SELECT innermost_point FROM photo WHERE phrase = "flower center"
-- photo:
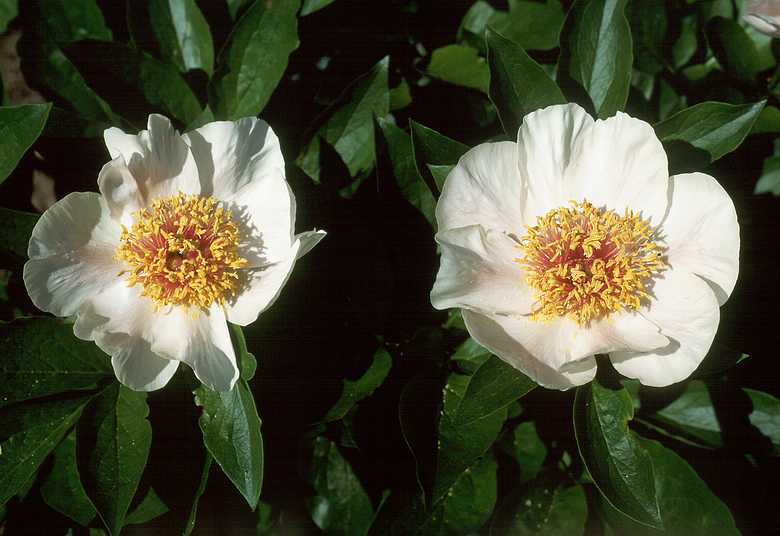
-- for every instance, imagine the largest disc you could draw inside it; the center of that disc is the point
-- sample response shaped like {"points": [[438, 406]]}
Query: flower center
{"points": [[585, 262], [183, 250]]}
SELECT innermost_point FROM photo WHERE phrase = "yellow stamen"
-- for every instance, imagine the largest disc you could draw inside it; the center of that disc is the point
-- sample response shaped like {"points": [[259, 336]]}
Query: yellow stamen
{"points": [[183, 250], [586, 263]]}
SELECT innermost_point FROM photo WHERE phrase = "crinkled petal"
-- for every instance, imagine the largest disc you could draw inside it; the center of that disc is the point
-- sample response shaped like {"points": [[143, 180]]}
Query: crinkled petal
{"points": [[308, 240], [686, 309], [135, 365], [477, 272], [71, 254], [265, 214], [260, 288], [484, 188], [619, 163], [240, 162], [125, 325], [702, 232], [232, 154], [120, 190], [207, 348], [559, 352], [545, 144], [499, 334], [158, 158], [121, 317]]}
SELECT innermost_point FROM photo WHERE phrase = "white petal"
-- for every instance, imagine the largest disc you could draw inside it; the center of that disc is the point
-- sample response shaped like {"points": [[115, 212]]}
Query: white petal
{"points": [[209, 350], [559, 353], [71, 254], [477, 272], [232, 154], [686, 310], [702, 232], [619, 163], [500, 336], [308, 240], [484, 188], [120, 190], [265, 214], [124, 325], [158, 158], [135, 365], [120, 318], [545, 143], [261, 287]]}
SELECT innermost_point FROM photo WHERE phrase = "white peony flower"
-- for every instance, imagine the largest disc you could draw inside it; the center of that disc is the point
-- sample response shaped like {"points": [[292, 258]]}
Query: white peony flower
{"points": [[764, 16], [188, 232], [575, 241]]}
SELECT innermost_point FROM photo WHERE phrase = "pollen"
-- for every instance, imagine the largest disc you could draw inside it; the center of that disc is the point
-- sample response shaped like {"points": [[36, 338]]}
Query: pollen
{"points": [[586, 263], [183, 251]]}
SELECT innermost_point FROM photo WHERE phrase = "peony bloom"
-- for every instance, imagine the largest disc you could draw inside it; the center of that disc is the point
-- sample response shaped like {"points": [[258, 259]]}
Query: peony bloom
{"points": [[764, 16], [188, 232], [575, 241]]}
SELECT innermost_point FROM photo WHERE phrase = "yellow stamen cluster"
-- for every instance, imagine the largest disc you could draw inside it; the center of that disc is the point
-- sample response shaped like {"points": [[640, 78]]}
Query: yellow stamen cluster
{"points": [[585, 262], [183, 250]]}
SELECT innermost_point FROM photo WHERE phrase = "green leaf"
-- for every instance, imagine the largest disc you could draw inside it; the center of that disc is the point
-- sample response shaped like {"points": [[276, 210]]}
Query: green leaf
{"points": [[231, 433], [246, 360], [49, 67], [532, 25], [340, 505], [470, 355], [400, 96], [460, 65], [546, 507], [494, 386], [311, 6], [409, 180], [734, 50], [150, 507], [204, 479], [770, 174], [685, 502], [42, 357], [254, 59], [518, 85], [183, 34], [470, 500], [349, 127], [117, 437], [527, 449], [15, 230], [618, 464], [141, 81], [433, 148], [62, 489], [714, 127], [693, 416], [439, 174], [355, 391], [648, 29], [9, 9], [768, 121], [474, 409], [687, 43], [28, 434], [20, 126], [596, 55], [73, 20]]}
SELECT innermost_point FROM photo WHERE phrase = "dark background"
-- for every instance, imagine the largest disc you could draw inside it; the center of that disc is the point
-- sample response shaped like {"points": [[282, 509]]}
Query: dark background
{"points": [[371, 276]]}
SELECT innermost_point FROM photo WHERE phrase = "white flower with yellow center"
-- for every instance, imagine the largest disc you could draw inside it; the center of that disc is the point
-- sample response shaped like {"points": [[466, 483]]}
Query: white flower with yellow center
{"points": [[188, 232], [575, 241]]}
